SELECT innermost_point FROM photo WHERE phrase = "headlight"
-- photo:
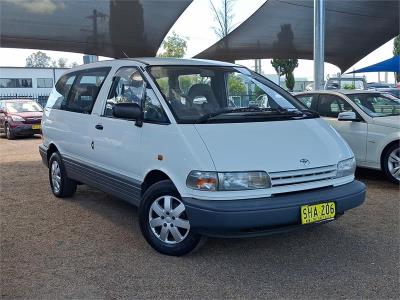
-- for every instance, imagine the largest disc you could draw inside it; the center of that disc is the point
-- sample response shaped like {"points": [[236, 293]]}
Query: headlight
{"points": [[346, 167], [17, 118], [229, 181]]}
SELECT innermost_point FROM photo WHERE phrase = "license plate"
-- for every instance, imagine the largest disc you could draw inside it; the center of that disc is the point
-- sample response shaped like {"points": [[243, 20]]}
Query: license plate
{"points": [[35, 126], [317, 212]]}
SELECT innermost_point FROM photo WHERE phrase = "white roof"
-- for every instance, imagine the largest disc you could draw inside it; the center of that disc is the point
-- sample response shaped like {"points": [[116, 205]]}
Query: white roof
{"points": [[180, 61]]}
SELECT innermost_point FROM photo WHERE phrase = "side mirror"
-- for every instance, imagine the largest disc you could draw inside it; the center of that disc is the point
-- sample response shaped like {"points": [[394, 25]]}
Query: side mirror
{"points": [[347, 116], [129, 111], [1, 111]]}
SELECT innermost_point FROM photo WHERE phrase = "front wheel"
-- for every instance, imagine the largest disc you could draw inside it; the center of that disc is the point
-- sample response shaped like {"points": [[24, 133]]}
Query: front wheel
{"points": [[164, 222], [9, 133], [391, 163]]}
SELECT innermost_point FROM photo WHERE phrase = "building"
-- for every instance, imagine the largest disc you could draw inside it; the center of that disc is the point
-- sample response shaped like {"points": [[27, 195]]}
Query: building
{"points": [[23, 82]]}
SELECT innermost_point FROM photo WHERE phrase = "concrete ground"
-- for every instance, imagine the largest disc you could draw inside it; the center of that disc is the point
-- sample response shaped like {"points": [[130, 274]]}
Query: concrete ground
{"points": [[91, 247]]}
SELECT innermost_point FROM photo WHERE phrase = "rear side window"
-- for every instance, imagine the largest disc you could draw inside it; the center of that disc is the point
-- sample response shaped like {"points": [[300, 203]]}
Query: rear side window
{"points": [[77, 92], [85, 89], [59, 94]]}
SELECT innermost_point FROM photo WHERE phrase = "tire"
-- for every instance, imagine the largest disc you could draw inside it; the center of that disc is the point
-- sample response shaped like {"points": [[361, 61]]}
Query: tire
{"points": [[170, 233], [9, 133], [61, 185], [391, 163]]}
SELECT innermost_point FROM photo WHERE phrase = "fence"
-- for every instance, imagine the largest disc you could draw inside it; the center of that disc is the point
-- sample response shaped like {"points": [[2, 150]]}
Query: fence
{"points": [[41, 99]]}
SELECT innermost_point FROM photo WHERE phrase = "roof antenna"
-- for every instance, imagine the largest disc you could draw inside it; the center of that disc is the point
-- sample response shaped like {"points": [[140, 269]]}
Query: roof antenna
{"points": [[124, 53]]}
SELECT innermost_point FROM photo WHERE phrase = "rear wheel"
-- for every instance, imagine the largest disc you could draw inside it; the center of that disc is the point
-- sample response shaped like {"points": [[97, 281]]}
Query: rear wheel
{"points": [[9, 133], [391, 163], [164, 222], [61, 185]]}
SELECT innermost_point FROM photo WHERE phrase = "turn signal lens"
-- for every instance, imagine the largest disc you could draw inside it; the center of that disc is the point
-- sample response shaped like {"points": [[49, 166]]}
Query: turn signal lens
{"points": [[205, 181], [228, 181], [346, 167]]}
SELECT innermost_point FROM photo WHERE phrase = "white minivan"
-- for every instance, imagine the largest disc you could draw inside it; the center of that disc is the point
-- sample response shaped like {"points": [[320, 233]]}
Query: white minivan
{"points": [[188, 142]]}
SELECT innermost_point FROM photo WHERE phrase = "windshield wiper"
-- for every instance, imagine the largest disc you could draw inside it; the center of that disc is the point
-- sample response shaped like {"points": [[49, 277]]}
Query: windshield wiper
{"points": [[292, 112], [206, 117]]}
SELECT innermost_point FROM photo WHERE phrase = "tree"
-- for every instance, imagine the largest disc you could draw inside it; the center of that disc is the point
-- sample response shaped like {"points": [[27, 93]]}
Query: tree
{"points": [[62, 62], [224, 17], [174, 46], [286, 67], [396, 51], [38, 59], [236, 86]]}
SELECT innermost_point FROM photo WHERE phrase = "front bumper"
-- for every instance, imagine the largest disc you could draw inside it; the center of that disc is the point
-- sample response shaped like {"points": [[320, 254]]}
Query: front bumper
{"points": [[24, 130], [43, 153], [252, 217]]}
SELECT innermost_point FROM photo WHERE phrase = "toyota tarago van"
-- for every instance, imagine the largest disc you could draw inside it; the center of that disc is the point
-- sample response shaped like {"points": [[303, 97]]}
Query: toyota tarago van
{"points": [[203, 148]]}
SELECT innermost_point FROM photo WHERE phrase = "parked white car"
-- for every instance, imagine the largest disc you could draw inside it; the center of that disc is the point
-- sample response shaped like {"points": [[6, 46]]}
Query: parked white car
{"points": [[195, 168], [368, 120]]}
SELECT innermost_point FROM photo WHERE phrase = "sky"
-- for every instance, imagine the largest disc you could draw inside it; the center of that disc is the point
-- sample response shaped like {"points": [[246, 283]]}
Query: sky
{"points": [[199, 15]]}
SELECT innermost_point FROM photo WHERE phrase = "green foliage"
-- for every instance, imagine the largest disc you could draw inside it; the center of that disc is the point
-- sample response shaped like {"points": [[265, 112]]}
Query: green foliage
{"points": [[236, 86], [174, 46], [38, 59], [290, 81], [396, 51], [349, 86], [163, 84], [286, 67]]}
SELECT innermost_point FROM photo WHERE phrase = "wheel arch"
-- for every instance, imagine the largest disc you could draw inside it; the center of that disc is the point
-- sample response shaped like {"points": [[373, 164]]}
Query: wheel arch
{"points": [[153, 177], [52, 148], [386, 148]]}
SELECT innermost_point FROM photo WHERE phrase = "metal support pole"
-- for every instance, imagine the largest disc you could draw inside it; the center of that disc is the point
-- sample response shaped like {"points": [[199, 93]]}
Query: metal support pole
{"points": [[319, 43]]}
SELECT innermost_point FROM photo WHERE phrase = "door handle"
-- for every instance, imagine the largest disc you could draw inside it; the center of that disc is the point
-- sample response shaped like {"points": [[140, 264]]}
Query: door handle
{"points": [[99, 127]]}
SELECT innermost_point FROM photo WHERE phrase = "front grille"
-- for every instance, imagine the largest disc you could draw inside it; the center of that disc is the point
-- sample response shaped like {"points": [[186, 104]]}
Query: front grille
{"points": [[33, 120], [286, 178]]}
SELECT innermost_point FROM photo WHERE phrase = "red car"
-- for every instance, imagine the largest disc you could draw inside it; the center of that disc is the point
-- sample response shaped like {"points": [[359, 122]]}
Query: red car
{"points": [[20, 118]]}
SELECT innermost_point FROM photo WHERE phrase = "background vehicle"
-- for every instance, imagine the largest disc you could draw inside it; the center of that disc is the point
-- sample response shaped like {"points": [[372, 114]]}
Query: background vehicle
{"points": [[20, 118], [163, 135], [346, 82], [378, 85], [369, 121]]}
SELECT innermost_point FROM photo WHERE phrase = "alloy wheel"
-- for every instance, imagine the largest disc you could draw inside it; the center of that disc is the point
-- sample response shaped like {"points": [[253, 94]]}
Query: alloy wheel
{"points": [[394, 163], [56, 176], [168, 220]]}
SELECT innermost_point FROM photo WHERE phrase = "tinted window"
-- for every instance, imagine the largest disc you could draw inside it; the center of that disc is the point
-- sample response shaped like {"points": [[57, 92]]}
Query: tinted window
{"points": [[45, 82], [128, 87], [59, 94], [331, 106], [85, 89]]}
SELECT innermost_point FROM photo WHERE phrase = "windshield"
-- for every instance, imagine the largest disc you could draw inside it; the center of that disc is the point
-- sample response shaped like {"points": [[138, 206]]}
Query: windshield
{"points": [[224, 94], [377, 105], [23, 106]]}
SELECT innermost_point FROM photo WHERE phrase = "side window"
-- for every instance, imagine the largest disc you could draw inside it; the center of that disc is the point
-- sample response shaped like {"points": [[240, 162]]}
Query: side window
{"points": [[331, 105], [59, 94], [306, 100], [128, 87], [85, 90], [152, 109]]}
